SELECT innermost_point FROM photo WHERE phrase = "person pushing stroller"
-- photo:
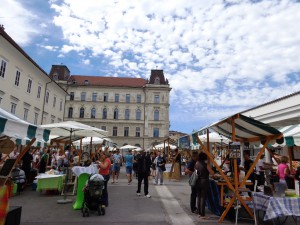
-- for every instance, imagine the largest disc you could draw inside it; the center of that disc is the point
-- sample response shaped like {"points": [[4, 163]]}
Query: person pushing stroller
{"points": [[93, 195]]}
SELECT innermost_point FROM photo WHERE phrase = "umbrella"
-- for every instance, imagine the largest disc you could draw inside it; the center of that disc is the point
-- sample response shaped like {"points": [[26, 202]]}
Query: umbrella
{"points": [[214, 137], [162, 145], [87, 141], [128, 147], [73, 128]]}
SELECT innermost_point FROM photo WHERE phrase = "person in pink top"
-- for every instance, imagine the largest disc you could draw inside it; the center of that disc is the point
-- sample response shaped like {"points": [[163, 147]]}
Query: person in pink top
{"points": [[283, 170]]}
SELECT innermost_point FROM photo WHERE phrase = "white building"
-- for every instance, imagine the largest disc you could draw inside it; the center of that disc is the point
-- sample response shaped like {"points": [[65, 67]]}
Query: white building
{"points": [[134, 111], [26, 90]]}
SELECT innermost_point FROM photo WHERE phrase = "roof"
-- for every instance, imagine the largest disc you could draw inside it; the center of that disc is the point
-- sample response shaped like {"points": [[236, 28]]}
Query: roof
{"points": [[271, 102], [108, 81], [246, 129], [160, 75], [14, 44]]}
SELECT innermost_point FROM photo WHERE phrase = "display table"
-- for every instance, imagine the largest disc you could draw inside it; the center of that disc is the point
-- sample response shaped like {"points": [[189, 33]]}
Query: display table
{"points": [[49, 182], [276, 206], [83, 174]]}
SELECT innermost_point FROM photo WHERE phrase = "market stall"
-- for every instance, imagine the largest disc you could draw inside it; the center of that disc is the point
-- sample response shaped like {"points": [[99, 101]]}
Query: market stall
{"points": [[240, 129]]}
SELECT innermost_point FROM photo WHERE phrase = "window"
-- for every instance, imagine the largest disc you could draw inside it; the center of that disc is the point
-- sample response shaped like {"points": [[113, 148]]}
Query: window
{"points": [[13, 108], [155, 132], [105, 97], [71, 96], [156, 115], [127, 114], [17, 79], [138, 114], [2, 68], [115, 131], [54, 101], [94, 98], [86, 82], [93, 113], [26, 114], [157, 80], [52, 120], [81, 112], [116, 97], [82, 96], [138, 98], [60, 105], [127, 98], [103, 127], [39, 92], [70, 112], [156, 99], [116, 114], [59, 120], [29, 85], [126, 131], [104, 113], [36, 116], [47, 96], [137, 131]]}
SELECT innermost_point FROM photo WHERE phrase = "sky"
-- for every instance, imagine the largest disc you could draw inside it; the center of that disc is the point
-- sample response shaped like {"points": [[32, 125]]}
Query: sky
{"points": [[220, 56]]}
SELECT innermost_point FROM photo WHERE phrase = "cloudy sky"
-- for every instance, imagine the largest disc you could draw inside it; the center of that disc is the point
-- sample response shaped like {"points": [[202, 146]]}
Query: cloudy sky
{"points": [[220, 56]]}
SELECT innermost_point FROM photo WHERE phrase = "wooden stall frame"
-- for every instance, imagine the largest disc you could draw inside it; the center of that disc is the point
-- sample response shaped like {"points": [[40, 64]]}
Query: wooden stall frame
{"points": [[237, 185]]}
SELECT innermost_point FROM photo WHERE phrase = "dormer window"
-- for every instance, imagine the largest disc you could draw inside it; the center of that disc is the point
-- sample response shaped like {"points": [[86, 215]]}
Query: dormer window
{"points": [[157, 80], [86, 82], [73, 81]]}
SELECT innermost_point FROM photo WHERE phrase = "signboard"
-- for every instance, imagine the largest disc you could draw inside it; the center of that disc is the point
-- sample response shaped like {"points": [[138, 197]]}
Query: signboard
{"points": [[184, 142], [234, 150]]}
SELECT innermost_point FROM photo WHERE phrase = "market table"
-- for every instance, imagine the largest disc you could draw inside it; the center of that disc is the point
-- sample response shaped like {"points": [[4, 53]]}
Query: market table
{"points": [[49, 182], [83, 174], [276, 207]]}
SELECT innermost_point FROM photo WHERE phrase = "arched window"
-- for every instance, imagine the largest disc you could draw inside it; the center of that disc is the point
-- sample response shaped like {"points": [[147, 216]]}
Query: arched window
{"points": [[93, 113], [127, 114], [156, 115], [116, 114], [70, 112], [81, 112], [104, 113], [138, 114]]}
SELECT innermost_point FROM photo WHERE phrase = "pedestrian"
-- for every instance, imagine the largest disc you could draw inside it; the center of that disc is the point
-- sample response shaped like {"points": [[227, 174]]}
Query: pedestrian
{"points": [[283, 172], [202, 185], [177, 165], [135, 164], [153, 165], [190, 168], [129, 165], [160, 164], [44, 160], [144, 164], [260, 174], [117, 161], [104, 170], [26, 164]]}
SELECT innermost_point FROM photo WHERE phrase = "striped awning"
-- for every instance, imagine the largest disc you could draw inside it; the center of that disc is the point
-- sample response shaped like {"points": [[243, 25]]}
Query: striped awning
{"points": [[21, 130], [246, 129], [291, 136]]}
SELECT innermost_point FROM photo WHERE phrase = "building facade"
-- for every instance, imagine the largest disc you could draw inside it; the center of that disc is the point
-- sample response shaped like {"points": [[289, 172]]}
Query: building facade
{"points": [[26, 90], [134, 111]]}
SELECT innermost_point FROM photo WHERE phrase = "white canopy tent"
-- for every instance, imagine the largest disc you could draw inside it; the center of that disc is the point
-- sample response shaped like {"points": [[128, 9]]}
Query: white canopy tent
{"points": [[21, 131], [162, 145]]}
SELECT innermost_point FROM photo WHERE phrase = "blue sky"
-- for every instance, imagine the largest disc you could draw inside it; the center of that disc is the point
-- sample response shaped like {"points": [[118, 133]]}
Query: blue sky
{"points": [[220, 56]]}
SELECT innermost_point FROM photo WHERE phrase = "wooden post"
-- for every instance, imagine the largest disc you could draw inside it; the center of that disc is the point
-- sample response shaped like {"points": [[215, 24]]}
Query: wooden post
{"points": [[80, 151]]}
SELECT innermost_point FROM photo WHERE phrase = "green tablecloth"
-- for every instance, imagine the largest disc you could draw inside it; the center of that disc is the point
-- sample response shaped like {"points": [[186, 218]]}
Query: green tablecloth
{"points": [[50, 182]]}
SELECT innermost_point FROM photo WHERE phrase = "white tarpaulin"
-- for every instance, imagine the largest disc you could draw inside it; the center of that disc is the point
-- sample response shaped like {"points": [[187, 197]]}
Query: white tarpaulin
{"points": [[20, 130]]}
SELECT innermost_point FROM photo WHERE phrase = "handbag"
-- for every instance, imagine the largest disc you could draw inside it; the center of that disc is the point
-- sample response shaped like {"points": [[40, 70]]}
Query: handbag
{"points": [[193, 179]]}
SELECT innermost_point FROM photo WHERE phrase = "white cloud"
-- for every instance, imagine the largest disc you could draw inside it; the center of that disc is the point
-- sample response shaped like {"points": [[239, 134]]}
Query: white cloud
{"points": [[219, 56], [18, 22], [86, 62]]}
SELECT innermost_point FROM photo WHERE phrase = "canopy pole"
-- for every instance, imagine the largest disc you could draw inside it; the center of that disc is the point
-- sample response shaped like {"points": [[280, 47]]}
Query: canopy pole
{"points": [[80, 151]]}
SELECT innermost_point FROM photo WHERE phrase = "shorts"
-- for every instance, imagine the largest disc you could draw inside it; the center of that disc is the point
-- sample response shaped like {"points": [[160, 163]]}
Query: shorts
{"points": [[116, 168], [128, 169]]}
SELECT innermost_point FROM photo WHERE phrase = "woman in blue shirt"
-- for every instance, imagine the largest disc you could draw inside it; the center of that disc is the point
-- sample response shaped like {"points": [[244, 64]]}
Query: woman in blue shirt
{"points": [[129, 165]]}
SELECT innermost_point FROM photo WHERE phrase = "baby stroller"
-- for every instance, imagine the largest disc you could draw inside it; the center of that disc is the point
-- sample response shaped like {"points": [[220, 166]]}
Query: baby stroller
{"points": [[92, 195]]}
